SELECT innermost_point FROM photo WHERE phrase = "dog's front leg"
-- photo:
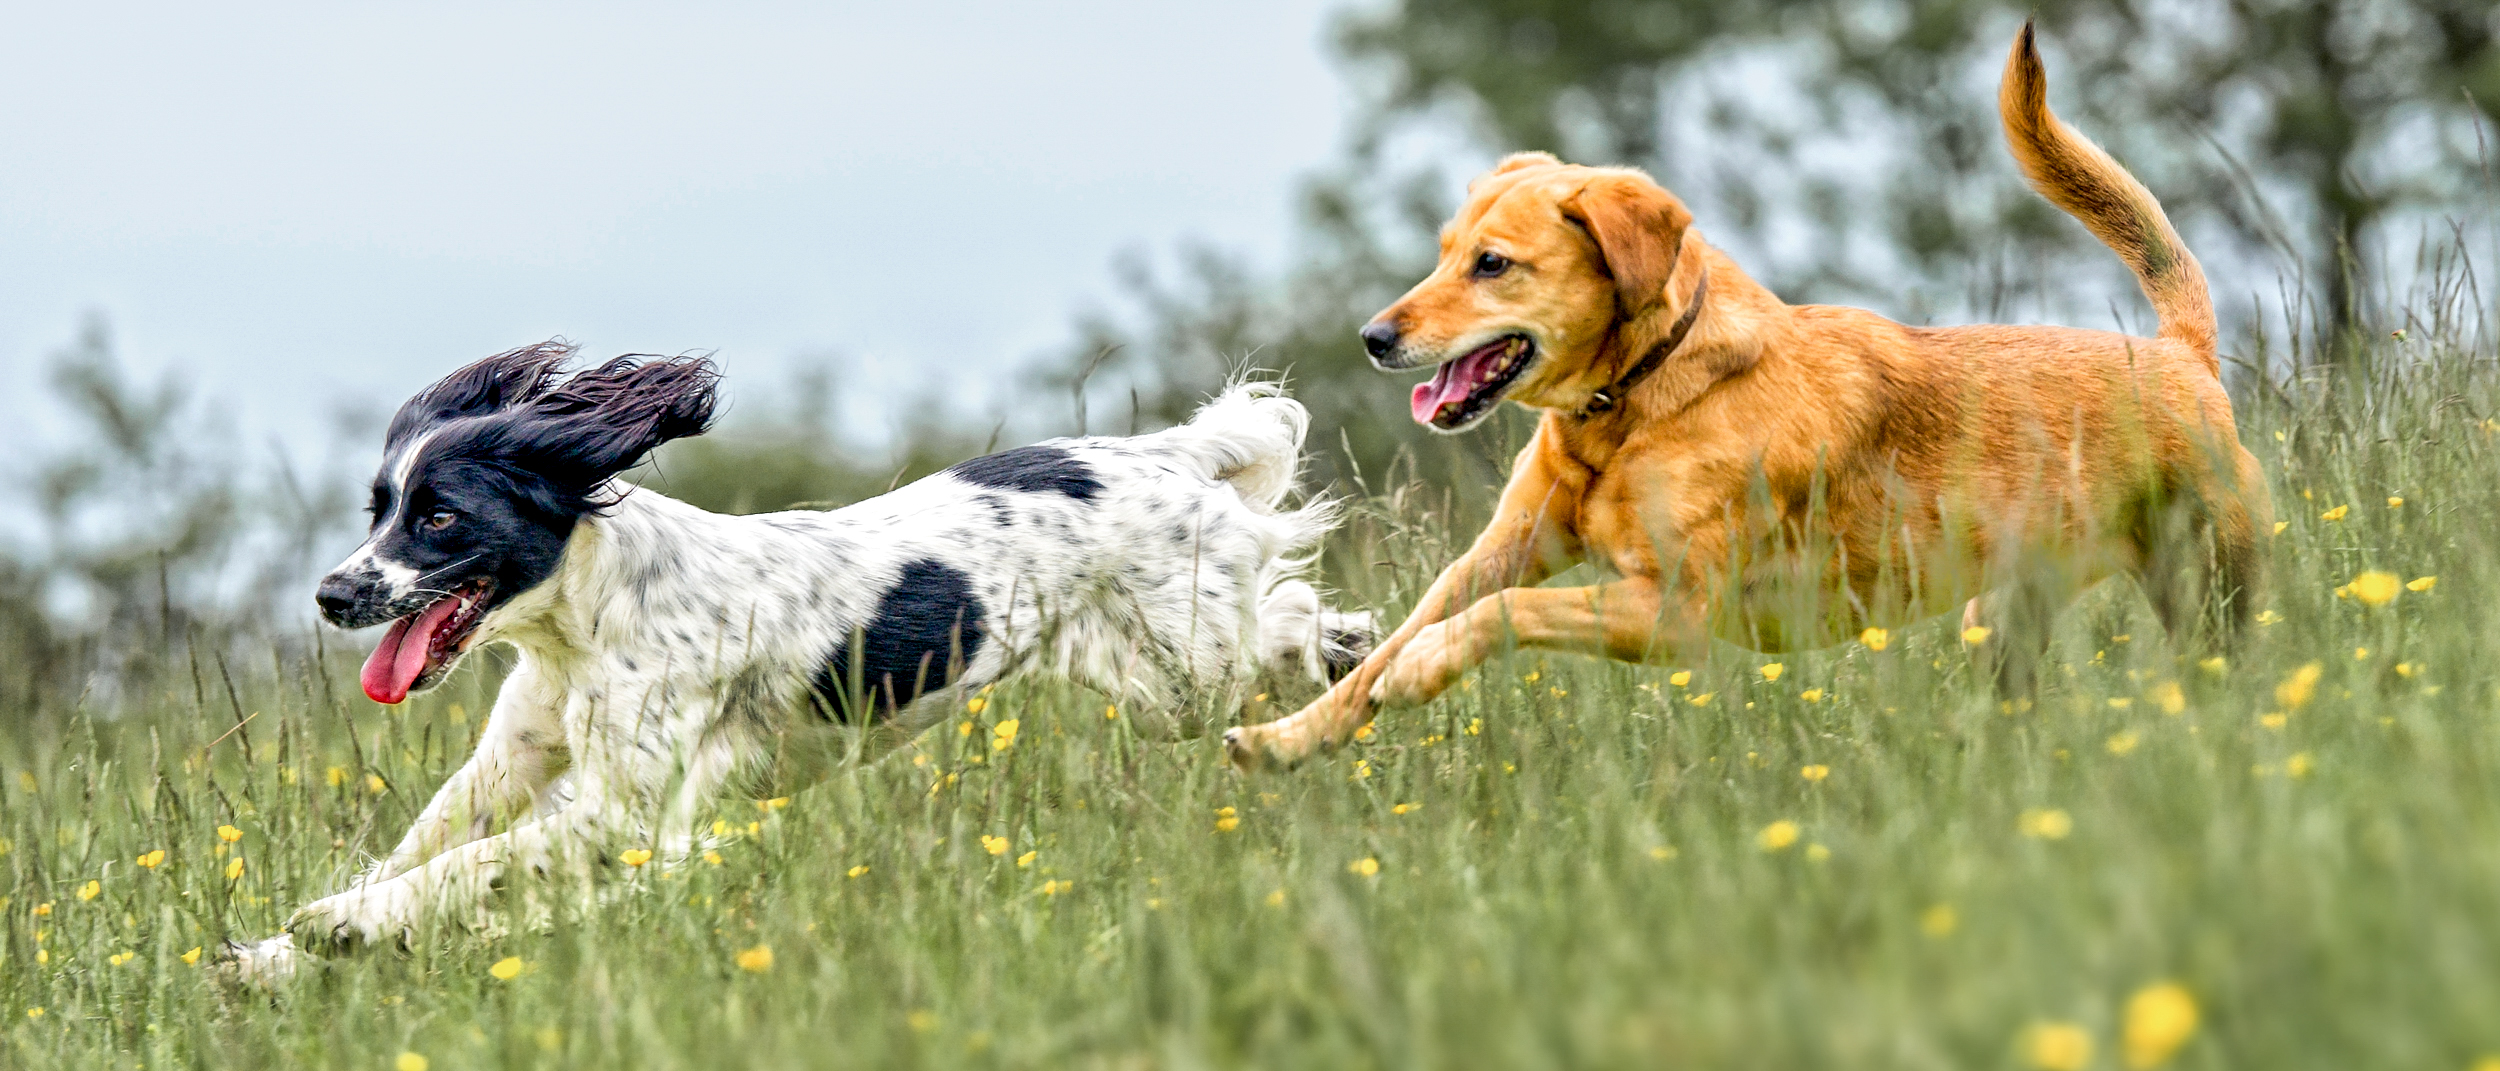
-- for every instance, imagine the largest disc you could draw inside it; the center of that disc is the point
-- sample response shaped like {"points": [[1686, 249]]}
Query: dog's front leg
{"points": [[1630, 620], [1531, 537], [629, 765], [521, 750]]}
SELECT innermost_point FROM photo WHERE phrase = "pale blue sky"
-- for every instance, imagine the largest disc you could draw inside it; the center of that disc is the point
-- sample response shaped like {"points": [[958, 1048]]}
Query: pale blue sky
{"points": [[301, 203]]}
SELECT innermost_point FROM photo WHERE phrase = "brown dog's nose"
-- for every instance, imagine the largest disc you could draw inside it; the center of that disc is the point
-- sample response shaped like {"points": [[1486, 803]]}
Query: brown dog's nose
{"points": [[1378, 337]]}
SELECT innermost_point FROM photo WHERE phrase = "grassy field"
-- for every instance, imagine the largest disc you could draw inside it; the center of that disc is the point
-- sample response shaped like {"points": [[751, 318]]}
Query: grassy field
{"points": [[1856, 859]]}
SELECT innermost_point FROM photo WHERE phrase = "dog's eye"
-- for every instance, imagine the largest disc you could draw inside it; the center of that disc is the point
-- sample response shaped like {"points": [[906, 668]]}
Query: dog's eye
{"points": [[1490, 264], [440, 519]]}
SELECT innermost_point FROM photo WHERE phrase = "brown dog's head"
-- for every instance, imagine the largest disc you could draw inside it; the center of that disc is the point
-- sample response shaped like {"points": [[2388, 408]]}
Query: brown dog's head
{"points": [[1541, 270]]}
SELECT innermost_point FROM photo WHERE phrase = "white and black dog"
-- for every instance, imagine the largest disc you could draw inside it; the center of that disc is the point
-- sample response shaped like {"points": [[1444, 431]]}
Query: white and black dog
{"points": [[665, 652]]}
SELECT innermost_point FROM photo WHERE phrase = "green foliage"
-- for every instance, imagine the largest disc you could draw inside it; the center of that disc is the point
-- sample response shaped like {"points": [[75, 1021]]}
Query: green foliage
{"points": [[1560, 863]]}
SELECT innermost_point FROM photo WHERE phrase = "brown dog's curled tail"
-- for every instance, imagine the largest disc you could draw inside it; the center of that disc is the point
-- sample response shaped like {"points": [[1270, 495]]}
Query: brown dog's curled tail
{"points": [[2077, 176]]}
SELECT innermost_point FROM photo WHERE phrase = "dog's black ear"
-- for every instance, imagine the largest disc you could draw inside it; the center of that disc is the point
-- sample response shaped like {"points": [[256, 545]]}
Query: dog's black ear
{"points": [[603, 421], [1638, 228], [503, 380]]}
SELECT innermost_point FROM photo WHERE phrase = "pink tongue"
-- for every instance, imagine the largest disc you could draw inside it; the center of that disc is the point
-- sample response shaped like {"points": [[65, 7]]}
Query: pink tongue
{"points": [[1449, 384], [395, 663]]}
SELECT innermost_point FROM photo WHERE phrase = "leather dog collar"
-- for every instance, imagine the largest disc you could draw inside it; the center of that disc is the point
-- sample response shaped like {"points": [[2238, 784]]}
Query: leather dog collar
{"points": [[1611, 395]]}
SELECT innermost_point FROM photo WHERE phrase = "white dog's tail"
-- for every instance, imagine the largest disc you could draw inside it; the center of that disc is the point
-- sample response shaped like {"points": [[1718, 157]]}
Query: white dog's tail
{"points": [[1249, 436]]}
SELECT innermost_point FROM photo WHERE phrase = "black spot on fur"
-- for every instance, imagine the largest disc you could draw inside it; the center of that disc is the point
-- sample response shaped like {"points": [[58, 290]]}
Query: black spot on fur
{"points": [[928, 627], [1039, 469]]}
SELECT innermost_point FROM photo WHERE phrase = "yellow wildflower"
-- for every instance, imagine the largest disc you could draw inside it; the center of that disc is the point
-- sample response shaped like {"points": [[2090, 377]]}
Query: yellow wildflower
{"points": [[229, 834], [756, 960], [1027, 858], [2217, 665], [1815, 773], [119, 958], [151, 859], [1811, 695], [635, 856], [43, 909], [1054, 888], [1777, 836], [2376, 587], [963, 729], [91, 889], [857, 870], [2057, 1047], [2170, 698], [2046, 823], [1680, 677], [1703, 699], [2274, 719], [995, 845], [2335, 514], [1663, 852], [409, 1061], [2297, 689], [2395, 502], [1111, 713], [712, 857], [1363, 731], [2160, 1018], [774, 804], [1475, 726], [375, 785], [1875, 639], [1276, 899], [1366, 866], [2422, 583], [2122, 743], [34, 1013], [1003, 736], [1771, 670], [506, 969], [2299, 765], [1977, 634], [1939, 921], [2279, 526], [2360, 654], [192, 957], [1405, 808], [976, 704]]}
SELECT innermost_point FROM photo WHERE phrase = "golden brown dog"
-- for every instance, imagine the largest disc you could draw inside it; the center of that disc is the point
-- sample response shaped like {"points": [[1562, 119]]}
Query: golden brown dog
{"points": [[1780, 475]]}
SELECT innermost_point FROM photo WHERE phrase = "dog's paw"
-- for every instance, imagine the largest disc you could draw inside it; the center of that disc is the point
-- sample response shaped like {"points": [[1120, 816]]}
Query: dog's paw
{"points": [[359, 918], [264, 964], [1259, 748]]}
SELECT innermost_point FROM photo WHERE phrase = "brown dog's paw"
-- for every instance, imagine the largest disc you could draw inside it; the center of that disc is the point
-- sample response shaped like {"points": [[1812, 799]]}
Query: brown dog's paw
{"points": [[1260, 748]]}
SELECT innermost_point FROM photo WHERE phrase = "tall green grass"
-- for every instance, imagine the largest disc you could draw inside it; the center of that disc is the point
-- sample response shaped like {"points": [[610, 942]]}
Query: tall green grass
{"points": [[1563, 863]]}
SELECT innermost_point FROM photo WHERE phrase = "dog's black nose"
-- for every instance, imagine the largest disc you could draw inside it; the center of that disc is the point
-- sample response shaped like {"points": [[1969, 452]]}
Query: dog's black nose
{"points": [[337, 597], [1378, 336]]}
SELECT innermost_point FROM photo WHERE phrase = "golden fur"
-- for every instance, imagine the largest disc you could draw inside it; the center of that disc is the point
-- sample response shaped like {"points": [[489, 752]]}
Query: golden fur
{"points": [[1792, 473]]}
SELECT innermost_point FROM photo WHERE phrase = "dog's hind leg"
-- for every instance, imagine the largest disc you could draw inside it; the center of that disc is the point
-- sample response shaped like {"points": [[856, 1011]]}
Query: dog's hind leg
{"points": [[2201, 566], [1300, 637]]}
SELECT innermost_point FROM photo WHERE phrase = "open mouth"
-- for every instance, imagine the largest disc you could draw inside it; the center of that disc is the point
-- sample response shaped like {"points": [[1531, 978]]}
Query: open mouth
{"points": [[1462, 390], [417, 647]]}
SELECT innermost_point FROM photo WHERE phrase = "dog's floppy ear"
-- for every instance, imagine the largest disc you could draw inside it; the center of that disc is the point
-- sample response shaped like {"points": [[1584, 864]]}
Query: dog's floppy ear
{"points": [[603, 421], [1638, 229], [505, 379]]}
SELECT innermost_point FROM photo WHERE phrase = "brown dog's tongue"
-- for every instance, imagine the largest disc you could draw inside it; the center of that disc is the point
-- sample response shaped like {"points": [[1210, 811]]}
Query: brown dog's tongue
{"points": [[395, 663], [1449, 383]]}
